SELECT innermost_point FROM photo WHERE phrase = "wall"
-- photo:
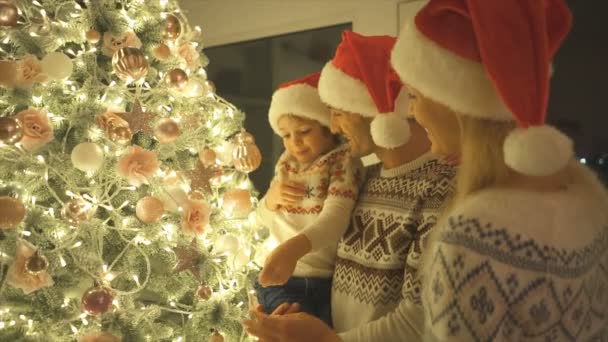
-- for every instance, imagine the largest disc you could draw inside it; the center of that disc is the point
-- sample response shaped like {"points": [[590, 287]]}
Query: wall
{"points": [[229, 21]]}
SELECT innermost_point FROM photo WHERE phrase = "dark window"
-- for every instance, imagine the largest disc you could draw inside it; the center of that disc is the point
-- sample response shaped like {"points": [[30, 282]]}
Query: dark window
{"points": [[247, 73]]}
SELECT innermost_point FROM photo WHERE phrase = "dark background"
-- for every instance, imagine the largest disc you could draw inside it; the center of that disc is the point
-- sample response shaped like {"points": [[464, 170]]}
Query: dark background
{"points": [[247, 73]]}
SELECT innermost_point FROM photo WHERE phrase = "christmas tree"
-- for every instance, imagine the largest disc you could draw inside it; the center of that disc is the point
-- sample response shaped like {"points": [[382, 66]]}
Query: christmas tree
{"points": [[125, 205]]}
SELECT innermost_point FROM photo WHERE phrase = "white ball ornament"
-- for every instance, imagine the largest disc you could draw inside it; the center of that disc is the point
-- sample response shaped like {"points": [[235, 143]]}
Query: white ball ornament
{"points": [[228, 244], [87, 157], [238, 261], [195, 88], [57, 65]]}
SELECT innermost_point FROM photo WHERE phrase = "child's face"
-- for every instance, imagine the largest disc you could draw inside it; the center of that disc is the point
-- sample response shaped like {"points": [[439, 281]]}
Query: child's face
{"points": [[304, 139]]}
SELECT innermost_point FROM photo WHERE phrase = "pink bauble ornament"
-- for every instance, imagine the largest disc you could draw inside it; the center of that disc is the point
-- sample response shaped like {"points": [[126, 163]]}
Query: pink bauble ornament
{"points": [[93, 36], [176, 78], [204, 292], [173, 28], [162, 52], [149, 209], [167, 131], [9, 14], [11, 130], [208, 157], [97, 300], [216, 337], [237, 202], [12, 212], [36, 264]]}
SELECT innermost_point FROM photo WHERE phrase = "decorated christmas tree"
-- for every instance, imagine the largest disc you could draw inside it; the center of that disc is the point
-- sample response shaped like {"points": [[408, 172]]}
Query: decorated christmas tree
{"points": [[125, 205]]}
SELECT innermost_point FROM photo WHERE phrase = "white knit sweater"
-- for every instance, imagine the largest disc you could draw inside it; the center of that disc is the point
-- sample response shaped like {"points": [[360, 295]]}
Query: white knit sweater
{"points": [[515, 265], [376, 287], [332, 182]]}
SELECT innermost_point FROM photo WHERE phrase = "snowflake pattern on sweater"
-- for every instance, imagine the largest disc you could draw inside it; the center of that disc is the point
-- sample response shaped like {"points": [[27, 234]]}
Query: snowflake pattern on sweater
{"points": [[490, 280]]}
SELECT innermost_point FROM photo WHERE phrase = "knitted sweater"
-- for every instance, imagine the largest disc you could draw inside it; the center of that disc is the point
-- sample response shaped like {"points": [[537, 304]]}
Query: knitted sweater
{"points": [[332, 185], [516, 265], [376, 288]]}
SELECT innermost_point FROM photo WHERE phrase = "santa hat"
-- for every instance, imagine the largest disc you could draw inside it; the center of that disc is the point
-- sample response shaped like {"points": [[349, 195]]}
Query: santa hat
{"points": [[359, 79], [300, 98], [491, 60]]}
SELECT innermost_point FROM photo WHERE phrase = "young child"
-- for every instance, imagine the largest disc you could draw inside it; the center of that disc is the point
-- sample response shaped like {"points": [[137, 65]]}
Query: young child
{"points": [[309, 203]]}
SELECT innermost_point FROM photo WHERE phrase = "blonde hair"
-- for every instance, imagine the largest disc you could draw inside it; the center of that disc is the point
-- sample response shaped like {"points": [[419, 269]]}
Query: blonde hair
{"points": [[482, 161]]}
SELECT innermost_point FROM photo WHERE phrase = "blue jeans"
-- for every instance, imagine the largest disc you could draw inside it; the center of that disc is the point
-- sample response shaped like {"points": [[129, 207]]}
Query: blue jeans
{"points": [[313, 294]]}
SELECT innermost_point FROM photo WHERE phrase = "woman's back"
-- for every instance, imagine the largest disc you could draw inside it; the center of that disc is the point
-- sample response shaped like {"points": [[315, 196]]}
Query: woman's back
{"points": [[514, 264]]}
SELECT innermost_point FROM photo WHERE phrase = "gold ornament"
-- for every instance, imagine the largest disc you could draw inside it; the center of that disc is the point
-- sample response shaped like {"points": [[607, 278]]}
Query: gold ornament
{"points": [[204, 292], [36, 263], [162, 52], [121, 135], [93, 36], [130, 64], [11, 130], [76, 211], [12, 212], [246, 155], [138, 119], [173, 28], [176, 78], [202, 177], [167, 131], [9, 14], [149, 209]]}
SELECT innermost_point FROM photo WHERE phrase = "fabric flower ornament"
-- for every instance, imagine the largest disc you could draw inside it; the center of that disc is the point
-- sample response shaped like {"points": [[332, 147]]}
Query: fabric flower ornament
{"points": [[19, 277], [37, 129], [29, 71], [138, 165], [195, 217], [112, 43], [189, 54]]}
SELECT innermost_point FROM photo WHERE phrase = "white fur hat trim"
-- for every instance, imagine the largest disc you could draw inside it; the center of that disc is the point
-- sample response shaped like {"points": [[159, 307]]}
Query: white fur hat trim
{"points": [[537, 150], [300, 100]]}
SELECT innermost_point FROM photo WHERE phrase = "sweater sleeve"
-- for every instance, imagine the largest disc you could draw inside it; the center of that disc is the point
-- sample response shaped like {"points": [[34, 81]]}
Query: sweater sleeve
{"points": [[345, 176]]}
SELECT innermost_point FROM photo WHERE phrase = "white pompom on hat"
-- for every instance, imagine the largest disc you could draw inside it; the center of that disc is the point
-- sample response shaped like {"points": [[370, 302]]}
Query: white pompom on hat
{"points": [[491, 60], [300, 98], [359, 79]]}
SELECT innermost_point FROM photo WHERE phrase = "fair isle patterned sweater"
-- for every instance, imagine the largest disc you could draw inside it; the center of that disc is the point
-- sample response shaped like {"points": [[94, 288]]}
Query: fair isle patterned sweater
{"points": [[332, 184], [515, 265], [376, 288]]}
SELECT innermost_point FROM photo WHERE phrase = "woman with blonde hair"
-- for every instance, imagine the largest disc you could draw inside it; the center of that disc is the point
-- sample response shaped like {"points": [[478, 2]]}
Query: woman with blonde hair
{"points": [[522, 254]]}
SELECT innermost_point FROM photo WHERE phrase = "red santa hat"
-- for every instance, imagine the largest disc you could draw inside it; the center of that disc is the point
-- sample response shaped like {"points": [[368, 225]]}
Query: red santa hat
{"points": [[491, 60], [300, 98], [359, 79]]}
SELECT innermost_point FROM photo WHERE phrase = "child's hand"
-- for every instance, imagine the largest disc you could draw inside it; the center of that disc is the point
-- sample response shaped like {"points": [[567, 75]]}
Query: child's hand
{"points": [[279, 266], [284, 192], [281, 262]]}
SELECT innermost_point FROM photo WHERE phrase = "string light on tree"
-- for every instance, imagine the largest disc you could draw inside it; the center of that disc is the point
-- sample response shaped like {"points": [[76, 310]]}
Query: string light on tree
{"points": [[112, 226]]}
